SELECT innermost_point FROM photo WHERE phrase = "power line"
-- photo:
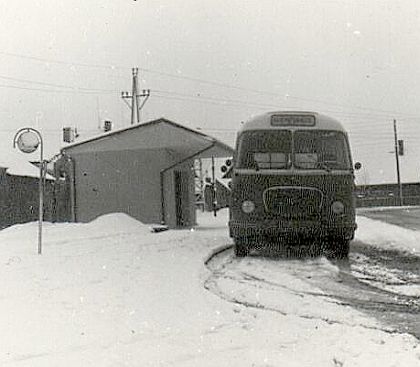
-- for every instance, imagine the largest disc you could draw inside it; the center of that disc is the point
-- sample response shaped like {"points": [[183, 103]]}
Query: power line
{"points": [[219, 103], [61, 62], [54, 85], [53, 90], [204, 81], [211, 100], [380, 119], [266, 92], [54, 131], [199, 97], [185, 97]]}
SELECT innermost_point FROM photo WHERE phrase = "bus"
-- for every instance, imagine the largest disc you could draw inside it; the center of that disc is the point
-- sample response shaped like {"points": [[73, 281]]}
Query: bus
{"points": [[292, 184]]}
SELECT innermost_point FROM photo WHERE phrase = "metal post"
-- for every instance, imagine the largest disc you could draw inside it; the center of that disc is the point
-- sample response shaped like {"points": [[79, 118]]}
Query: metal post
{"points": [[200, 163], [213, 178], [41, 197], [397, 159], [31, 149]]}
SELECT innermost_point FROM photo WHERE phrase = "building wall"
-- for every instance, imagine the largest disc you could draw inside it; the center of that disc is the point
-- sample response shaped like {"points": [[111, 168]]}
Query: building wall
{"points": [[19, 199], [128, 182], [123, 181]]}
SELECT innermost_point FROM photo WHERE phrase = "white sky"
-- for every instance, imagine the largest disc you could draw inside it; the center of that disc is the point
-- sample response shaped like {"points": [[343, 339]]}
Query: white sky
{"points": [[351, 59]]}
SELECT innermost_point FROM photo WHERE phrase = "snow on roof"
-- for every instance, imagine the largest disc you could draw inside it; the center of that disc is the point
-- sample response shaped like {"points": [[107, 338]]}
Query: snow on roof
{"points": [[179, 138], [19, 164]]}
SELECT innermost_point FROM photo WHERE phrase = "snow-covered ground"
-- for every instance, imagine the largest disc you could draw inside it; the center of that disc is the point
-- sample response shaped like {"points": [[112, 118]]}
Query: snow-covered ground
{"points": [[111, 293], [384, 235]]}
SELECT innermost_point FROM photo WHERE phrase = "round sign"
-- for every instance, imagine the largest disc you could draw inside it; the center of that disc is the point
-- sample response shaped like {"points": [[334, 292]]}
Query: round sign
{"points": [[28, 142]]}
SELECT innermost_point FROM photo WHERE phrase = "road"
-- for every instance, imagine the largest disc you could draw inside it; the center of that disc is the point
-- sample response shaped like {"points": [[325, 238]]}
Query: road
{"points": [[384, 284]]}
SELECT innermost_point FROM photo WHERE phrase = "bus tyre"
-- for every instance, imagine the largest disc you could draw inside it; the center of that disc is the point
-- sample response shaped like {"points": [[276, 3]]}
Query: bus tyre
{"points": [[343, 249], [339, 248], [241, 248]]}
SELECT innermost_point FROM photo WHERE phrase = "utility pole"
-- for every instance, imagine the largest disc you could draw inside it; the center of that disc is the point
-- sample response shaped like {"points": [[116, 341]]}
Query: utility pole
{"points": [[397, 159], [134, 96], [213, 178]]}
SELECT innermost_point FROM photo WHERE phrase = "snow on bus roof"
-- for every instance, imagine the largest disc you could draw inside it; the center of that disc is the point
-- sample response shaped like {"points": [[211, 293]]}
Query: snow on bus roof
{"points": [[264, 121]]}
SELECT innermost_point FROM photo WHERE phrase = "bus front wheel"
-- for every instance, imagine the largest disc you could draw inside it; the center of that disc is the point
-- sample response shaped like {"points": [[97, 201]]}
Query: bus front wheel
{"points": [[338, 248], [241, 247]]}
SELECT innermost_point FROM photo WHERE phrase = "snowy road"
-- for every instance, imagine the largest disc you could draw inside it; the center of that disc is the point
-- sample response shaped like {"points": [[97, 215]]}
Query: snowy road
{"points": [[382, 283]]}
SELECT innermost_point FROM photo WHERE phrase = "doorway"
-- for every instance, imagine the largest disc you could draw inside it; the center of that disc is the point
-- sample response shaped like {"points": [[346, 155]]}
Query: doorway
{"points": [[182, 199]]}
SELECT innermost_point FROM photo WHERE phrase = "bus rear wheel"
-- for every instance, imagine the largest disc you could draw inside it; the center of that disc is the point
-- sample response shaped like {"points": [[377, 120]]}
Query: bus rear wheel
{"points": [[241, 247]]}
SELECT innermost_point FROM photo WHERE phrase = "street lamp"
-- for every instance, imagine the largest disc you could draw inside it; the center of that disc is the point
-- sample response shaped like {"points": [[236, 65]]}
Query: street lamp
{"points": [[28, 140]]}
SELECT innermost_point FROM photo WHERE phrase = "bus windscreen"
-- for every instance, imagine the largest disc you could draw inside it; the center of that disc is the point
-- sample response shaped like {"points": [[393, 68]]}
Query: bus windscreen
{"points": [[265, 149], [321, 149], [308, 149]]}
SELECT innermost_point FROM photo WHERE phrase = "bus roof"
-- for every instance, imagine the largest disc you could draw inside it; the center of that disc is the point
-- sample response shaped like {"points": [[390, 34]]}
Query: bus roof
{"points": [[264, 122]]}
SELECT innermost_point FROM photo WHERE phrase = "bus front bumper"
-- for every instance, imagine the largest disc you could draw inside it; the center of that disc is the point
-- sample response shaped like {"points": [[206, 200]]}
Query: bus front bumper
{"points": [[307, 228]]}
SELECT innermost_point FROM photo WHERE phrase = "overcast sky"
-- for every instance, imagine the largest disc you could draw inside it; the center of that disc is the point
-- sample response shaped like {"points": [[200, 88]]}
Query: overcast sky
{"points": [[211, 64]]}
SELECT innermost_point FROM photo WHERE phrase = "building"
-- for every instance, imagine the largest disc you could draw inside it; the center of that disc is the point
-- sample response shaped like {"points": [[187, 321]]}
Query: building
{"points": [[19, 191], [387, 194], [145, 170]]}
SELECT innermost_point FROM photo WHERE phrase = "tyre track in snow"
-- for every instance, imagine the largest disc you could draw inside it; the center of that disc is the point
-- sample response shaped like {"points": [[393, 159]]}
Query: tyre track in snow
{"points": [[393, 279], [356, 284]]}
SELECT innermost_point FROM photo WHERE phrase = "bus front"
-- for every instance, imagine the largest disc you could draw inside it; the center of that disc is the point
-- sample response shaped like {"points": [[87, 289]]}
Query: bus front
{"points": [[292, 181]]}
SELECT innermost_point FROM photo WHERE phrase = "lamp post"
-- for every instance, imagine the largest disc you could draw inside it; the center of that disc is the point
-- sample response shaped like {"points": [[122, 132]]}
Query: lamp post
{"points": [[28, 140]]}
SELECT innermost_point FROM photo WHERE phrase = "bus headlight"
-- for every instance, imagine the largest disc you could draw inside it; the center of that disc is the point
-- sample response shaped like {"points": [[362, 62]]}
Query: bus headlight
{"points": [[337, 207], [248, 206]]}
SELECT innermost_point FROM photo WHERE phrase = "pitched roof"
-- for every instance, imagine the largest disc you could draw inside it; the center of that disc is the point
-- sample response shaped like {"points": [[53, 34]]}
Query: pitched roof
{"points": [[156, 134]]}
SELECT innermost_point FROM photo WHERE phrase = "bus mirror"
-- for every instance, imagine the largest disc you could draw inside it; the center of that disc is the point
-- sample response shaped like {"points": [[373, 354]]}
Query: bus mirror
{"points": [[228, 162], [223, 169], [357, 166]]}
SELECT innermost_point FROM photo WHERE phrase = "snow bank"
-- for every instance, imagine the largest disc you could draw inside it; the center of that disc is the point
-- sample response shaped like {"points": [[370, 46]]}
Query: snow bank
{"points": [[24, 237], [388, 236], [117, 222]]}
